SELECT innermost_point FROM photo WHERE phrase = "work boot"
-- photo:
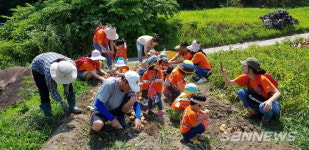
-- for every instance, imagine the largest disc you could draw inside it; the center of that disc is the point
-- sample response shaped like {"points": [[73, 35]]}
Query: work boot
{"points": [[46, 109], [71, 101]]}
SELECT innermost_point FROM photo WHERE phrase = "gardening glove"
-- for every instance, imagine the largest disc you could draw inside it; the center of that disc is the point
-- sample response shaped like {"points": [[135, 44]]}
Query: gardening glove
{"points": [[64, 106]]}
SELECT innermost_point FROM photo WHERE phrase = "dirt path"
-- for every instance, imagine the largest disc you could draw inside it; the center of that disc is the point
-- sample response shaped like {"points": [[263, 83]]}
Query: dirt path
{"points": [[75, 131]]}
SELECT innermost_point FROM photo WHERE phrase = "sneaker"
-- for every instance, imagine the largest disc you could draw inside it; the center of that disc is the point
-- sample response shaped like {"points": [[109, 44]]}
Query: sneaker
{"points": [[196, 142], [148, 111], [160, 113], [202, 80], [76, 110], [187, 142], [250, 115], [265, 123]]}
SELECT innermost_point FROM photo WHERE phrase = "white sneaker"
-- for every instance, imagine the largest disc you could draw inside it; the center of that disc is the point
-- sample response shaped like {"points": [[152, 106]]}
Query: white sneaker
{"points": [[201, 81]]}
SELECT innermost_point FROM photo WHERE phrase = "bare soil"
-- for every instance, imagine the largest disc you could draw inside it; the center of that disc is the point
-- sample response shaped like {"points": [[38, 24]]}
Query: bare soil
{"points": [[75, 132]]}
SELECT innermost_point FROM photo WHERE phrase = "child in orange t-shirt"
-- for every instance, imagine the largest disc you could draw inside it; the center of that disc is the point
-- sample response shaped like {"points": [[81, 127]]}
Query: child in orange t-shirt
{"points": [[182, 101], [121, 67], [152, 80], [194, 120], [121, 50], [175, 83]]}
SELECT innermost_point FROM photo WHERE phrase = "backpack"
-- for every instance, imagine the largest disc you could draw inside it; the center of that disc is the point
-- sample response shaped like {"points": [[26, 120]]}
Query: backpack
{"points": [[81, 60], [98, 28], [269, 77]]}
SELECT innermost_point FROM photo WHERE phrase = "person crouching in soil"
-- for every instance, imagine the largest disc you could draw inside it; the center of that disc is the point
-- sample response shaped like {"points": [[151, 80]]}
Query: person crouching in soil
{"points": [[116, 97], [194, 120], [260, 87], [92, 68]]}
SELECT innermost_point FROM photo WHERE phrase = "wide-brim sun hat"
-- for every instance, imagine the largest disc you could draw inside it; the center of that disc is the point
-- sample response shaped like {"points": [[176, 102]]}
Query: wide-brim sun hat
{"points": [[133, 79], [111, 33], [152, 61], [187, 66], [252, 62], [120, 63], [194, 47], [63, 72], [96, 55]]}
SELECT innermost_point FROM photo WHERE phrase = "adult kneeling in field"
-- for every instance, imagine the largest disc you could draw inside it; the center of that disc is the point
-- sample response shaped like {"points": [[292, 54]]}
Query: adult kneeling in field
{"points": [[91, 67], [116, 97], [51, 68], [261, 96]]}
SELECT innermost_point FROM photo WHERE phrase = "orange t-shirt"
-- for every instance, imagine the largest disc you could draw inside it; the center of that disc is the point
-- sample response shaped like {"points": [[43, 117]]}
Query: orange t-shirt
{"points": [[185, 55], [177, 76], [151, 75], [180, 103], [121, 52], [87, 66], [123, 69], [100, 35], [190, 117], [267, 85], [201, 60]]}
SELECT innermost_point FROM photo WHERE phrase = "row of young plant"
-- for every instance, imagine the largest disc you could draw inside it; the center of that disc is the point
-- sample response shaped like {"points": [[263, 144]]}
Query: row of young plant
{"points": [[289, 66]]}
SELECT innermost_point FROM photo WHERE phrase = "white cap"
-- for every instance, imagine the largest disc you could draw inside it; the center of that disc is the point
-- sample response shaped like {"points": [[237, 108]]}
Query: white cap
{"points": [[63, 72], [96, 55], [133, 79]]}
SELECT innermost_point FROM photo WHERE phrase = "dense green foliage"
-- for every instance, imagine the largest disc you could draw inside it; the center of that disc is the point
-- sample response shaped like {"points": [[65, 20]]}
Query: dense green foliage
{"points": [[66, 26], [55, 27]]}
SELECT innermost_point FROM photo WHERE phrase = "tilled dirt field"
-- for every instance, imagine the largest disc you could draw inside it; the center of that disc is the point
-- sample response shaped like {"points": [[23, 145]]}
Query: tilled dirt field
{"points": [[75, 132]]}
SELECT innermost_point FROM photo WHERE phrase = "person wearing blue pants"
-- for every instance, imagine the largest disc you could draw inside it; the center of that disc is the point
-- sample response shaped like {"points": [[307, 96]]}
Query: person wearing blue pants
{"points": [[262, 94], [103, 40]]}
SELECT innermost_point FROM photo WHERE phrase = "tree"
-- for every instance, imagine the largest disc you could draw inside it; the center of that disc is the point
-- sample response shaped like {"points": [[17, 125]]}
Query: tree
{"points": [[66, 26]]}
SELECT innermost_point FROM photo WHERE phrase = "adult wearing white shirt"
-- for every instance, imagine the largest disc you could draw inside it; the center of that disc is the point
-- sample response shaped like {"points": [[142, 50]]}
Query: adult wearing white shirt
{"points": [[146, 43]]}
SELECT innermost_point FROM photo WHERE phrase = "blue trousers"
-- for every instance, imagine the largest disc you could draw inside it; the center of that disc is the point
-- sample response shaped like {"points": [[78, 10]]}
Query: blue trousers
{"points": [[275, 111]]}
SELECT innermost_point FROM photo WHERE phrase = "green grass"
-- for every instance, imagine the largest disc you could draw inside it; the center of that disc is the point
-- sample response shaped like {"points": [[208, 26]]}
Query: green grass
{"points": [[222, 26], [289, 65], [24, 126]]}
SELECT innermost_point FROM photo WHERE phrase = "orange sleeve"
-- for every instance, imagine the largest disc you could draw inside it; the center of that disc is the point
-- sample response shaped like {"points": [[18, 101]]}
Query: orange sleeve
{"points": [[242, 80]]}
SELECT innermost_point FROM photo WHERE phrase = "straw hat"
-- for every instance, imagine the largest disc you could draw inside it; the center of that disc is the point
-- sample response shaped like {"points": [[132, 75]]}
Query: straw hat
{"points": [[63, 72], [187, 66]]}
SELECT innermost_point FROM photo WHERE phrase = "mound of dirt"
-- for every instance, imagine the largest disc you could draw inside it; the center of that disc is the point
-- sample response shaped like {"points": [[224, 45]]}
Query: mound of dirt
{"points": [[10, 83]]}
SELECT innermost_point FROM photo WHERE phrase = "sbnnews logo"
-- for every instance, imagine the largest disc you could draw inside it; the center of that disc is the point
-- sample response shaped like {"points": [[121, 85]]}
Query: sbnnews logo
{"points": [[261, 136]]}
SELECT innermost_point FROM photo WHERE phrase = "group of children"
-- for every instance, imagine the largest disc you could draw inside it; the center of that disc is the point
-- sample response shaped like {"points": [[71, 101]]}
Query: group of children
{"points": [[159, 77]]}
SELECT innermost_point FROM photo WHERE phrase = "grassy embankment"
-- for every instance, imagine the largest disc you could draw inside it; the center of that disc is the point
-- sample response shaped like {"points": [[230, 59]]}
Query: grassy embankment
{"points": [[23, 126]]}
